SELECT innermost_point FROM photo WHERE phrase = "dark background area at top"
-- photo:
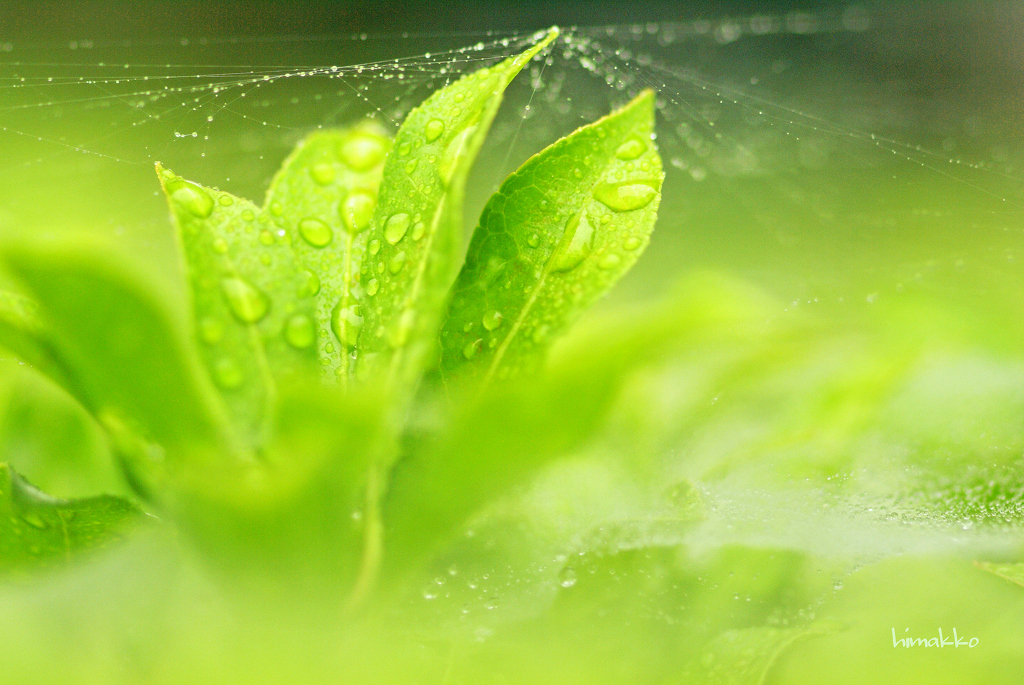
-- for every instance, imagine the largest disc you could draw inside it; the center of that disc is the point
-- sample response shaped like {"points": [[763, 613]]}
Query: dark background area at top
{"points": [[947, 39], [67, 19]]}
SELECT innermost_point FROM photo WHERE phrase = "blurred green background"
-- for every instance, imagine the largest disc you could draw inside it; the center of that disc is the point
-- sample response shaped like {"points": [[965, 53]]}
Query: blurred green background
{"points": [[859, 165]]}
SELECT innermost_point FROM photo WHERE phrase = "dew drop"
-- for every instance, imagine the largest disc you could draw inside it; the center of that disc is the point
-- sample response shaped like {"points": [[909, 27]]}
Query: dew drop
{"points": [[533, 240], [372, 287], [322, 173], [470, 350], [247, 303], [191, 197], [434, 130], [609, 261], [567, 577], [362, 151], [576, 244], [404, 149], [411, 165], [227, 373], [418, 230], [492, 320], [397, 262], [310, 284], [300, 332], [220, 246], [33, 519], [248, 215], [374, 246], [315, 232], [345, 322], [625, 197], [631, 243], [276, 208], [396, 227], [631, 149], [226, 200], [357, 210], [210, 330], [266, 237]]}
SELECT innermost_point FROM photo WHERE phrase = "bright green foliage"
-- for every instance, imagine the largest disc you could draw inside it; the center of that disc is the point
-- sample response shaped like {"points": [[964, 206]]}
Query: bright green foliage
{"points": [[254, 308], [662, 500], [325, 196], [556, 236], [38, 531], [418, 222], [125, 356], [22, 332]]}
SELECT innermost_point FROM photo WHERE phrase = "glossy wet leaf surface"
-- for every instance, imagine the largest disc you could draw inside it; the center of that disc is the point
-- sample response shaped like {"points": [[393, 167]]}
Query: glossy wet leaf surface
{"points": [[556, 236], [326, 193], [38, 531], [416, 235]]}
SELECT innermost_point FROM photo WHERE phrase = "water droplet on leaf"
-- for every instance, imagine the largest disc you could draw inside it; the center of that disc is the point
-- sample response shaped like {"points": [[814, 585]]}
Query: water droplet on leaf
{"points": [[395, 228], [266, 237], [276, 208], [315, 232], [357, 210], [609, 261], [418, 230], [372, 287], [434, 130], [567, 577], [300, 332], [625, 197], [362, 152], [345, 322], [191, 198], [492, 320], [631, 243], [631, 149], [322, 173], [470, 350], [533, 240], [576, 245], [247, 303], [310, 284], [220, 246], [397, 263], [33, 519], [374, 246]]}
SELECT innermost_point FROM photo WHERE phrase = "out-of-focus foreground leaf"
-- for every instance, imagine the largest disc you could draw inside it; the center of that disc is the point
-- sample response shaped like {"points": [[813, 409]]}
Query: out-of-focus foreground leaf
{"points": [[38, 531], [416, 235], [556, 236], [125, 356], [496, 440]]}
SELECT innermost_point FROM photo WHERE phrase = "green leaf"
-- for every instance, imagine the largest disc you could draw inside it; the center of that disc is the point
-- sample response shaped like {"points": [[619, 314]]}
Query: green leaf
{"points": [[557, 235], [38, 531], [325, 195], [745, 656], [416, 238], [298, 517], [23, 333], [495, 440], [124, 354], [1011, 572], [254, 308]]}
